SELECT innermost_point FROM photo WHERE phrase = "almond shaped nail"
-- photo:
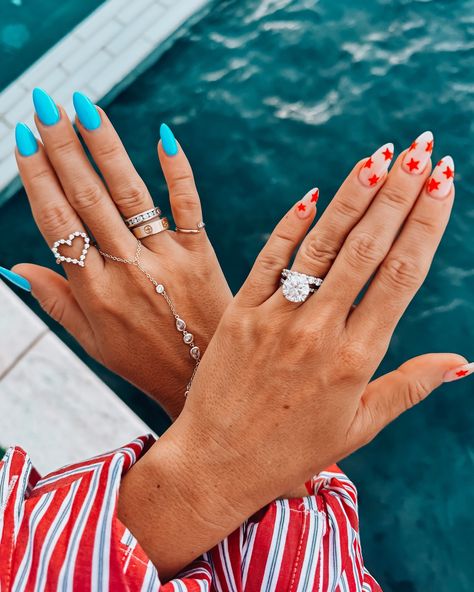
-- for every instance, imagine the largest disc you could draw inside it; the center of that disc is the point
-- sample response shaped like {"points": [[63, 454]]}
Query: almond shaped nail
{"points": [[459, 372], [376, 166], [305, 207], [442, 178], [419, 154]]}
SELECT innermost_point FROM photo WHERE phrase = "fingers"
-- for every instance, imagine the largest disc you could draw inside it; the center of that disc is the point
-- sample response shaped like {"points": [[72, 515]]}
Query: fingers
{"points": [[56, 299], [391, 395], [125, 185], [83, 187], [371, 239], [407, 264], [263, 280], [184, 197], [323, 243], [51, 210]]}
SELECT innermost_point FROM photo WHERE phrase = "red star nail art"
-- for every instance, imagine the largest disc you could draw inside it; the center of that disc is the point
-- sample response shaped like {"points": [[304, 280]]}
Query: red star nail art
{"points": [[413, 164], [441, 180], [429, 146], [375, 167], [417, 157], [459, 372], [315, 196], [373, 180], [301, 207], [307, 204]]}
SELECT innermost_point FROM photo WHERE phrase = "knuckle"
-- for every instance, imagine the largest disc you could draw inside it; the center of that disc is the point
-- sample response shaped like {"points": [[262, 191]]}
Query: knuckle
{"points": [[321, 249], [55, 218], [346, 208], [54, 308], [394, 196], [183, 191], [86, 196], [40, 176], [353, 360], [364, 248], [109, 150], [269, 262], [415, 391], [401, 272], [131, 196], [426, 224], [63, 146]]}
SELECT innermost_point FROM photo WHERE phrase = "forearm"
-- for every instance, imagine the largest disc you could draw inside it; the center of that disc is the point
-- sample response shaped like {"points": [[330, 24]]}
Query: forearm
{"points": [[182, 498]]}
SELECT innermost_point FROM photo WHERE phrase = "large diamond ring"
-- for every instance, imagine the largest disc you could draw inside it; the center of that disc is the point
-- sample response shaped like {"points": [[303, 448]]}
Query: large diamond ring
{"points": [[296, 287]]}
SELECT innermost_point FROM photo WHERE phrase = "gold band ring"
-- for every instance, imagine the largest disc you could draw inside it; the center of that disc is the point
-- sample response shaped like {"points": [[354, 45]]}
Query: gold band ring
{"points": [[151, 228], [197, 230], [143, 217]]}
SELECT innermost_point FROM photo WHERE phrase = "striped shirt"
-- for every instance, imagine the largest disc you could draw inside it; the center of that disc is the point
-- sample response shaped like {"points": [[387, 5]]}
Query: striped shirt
{"points": [[61, 532]]}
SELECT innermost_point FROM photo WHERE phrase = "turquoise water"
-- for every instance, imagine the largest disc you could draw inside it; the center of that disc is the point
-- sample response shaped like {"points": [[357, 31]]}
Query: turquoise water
{"points": [[270, 98], [30, 27]]}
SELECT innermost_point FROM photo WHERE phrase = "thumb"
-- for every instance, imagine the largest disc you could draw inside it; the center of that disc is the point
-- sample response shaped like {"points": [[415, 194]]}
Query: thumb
{"points": [[394, 393], [55, 297]]}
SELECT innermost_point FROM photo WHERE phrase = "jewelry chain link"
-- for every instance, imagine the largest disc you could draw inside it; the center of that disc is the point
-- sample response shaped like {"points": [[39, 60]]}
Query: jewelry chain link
{"points": [[136, 262]]}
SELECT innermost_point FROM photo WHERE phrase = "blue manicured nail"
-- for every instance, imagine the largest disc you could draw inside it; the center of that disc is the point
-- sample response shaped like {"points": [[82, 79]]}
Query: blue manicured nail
{"points": [[25, 140], [86, 111], [45, 107], [168, 140], [15, 279]]}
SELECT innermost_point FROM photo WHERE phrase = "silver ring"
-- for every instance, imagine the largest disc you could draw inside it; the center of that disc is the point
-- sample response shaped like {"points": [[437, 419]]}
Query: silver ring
{"points": [[296, 286], [143, 217], [81, 260], [199, 226]]}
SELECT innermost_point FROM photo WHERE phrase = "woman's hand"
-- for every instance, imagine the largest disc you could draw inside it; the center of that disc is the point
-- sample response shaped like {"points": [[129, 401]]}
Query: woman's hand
{"points": [[283, 390], [111, 308]]}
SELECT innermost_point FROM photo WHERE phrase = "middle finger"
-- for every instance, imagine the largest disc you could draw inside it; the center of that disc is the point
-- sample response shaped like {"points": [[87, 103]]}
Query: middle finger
{"points": [[83, 187]]}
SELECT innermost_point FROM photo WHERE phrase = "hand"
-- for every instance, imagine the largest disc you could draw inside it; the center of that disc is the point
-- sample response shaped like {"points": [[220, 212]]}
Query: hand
{"points": [[283, 390], [111, 308]]}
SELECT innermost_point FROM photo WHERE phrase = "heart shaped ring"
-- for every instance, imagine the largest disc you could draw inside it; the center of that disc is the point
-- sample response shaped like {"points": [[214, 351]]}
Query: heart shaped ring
{"points": [[68, 241]]}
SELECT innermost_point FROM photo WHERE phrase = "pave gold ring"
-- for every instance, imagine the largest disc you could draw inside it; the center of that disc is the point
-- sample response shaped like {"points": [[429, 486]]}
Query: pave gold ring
{"points": [[143, 217], [296, 286]]}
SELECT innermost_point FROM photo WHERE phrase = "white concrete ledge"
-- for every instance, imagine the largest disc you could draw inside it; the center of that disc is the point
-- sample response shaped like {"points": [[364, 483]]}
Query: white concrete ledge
{"points": [[105, 50], [51, 404]]}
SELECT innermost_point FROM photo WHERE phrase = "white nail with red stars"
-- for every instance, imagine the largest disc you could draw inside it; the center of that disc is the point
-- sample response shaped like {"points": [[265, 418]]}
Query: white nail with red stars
{"points": [[441, 180], [376, 166], [419, 154]]}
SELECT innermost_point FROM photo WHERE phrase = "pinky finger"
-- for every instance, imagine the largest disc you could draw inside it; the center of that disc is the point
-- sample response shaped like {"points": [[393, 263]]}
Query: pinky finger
{"points": [[276, 254], [54, 295], [184, 197]]}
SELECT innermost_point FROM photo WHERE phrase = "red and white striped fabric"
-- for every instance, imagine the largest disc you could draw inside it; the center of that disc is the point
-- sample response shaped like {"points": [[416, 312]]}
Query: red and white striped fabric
{"points": [[61, 532]]}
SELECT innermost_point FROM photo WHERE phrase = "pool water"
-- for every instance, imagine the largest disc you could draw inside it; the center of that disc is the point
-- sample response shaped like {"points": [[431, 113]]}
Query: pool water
{"points": [[28, 28], [272, 97]]}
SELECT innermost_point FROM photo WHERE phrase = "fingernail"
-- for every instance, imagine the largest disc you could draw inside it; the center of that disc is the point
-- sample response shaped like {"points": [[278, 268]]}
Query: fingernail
{"points": [[376, 166], [418, 154], [25, 140], [15, 279], [45, 107], [86, 111], [442, 178], [168, 140], [306, 206], [459, 372]]}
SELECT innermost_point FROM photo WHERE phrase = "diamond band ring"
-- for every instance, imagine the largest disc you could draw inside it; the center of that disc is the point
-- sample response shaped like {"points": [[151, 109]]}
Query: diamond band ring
{"points": [[143, 217], [296, 286]]}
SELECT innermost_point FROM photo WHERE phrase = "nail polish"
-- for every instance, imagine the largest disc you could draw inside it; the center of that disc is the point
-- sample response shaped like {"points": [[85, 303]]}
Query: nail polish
{"points": [[306, 206], [87, 112], [168, 140], [419, 153], [45, 107], [442, 178], [376, 166], [25, 140], [15, 279], [459, 372]]}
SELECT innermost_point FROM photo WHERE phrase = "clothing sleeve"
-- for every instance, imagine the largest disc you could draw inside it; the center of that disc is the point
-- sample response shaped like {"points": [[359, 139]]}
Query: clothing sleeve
{"points": [[61, 532]]}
